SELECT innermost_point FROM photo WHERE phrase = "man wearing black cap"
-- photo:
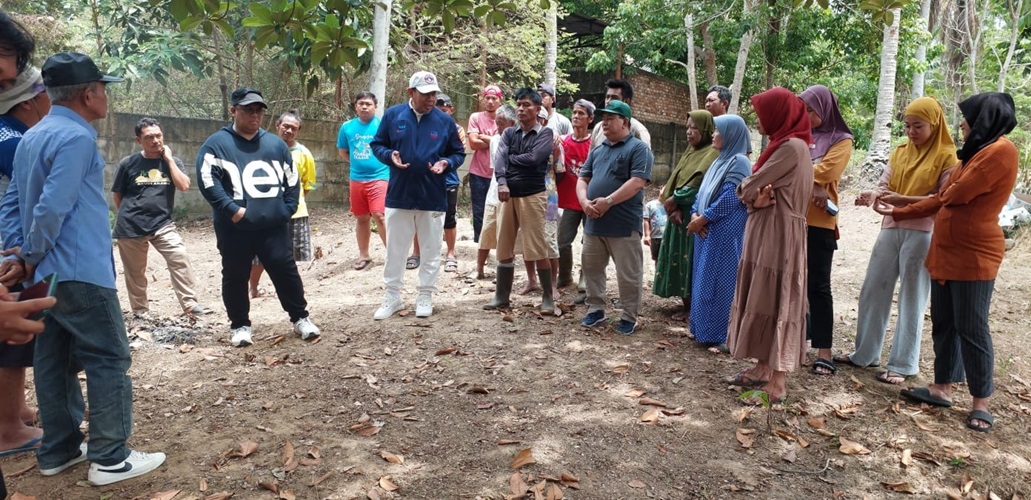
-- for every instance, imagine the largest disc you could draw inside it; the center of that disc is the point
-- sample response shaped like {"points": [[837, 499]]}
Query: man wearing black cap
{"points": [[248, 177], [65, 231]]}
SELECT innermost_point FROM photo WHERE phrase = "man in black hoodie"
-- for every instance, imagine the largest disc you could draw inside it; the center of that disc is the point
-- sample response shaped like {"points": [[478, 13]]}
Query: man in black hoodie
{"points": [[248, 177]]}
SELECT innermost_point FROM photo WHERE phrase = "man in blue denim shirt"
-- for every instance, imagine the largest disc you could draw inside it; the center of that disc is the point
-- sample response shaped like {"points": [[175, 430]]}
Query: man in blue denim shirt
{"points": [[65, 230]]}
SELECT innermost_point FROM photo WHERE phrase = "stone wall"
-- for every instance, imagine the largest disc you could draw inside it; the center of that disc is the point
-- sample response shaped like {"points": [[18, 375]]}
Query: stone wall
{"points": [[185, 136]]}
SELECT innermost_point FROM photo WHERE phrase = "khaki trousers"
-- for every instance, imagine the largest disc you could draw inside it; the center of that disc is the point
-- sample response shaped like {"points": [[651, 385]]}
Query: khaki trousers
{"points": [[169, 244], [628, 256]]}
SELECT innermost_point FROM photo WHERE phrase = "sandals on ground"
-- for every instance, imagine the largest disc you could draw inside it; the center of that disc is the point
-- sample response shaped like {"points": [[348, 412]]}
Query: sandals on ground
{"points": [[828, 367], [982, 416], [412, 262], [451, 265], [846, 360], [893, 378]]}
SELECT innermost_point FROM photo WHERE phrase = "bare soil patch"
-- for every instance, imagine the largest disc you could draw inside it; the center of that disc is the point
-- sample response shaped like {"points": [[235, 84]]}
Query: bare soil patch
{"points": [[443, 407]]}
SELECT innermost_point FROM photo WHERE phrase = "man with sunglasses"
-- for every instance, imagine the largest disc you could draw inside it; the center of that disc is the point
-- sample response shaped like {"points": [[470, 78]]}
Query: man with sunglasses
{"points": [[248, 177]]}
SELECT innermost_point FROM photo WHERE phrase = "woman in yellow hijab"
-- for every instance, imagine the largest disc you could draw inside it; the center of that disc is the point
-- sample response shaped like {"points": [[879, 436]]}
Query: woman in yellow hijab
{"points": [[915, 171]]}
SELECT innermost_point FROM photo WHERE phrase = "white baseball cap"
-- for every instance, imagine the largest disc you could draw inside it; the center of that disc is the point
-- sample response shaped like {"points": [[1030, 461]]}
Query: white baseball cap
{"points": [[424, 81]]}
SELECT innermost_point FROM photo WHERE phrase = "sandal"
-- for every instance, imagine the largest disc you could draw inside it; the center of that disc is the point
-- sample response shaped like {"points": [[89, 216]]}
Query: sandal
{"points": [[846, 360], [451, 265], [893, 378], [412, 262], [743, 380], [982, 416], [823, 367], [361, 264], [923, 395]]}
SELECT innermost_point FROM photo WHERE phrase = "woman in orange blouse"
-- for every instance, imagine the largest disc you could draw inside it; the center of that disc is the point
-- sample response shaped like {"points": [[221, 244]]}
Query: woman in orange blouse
{"points": [[966, 250]]}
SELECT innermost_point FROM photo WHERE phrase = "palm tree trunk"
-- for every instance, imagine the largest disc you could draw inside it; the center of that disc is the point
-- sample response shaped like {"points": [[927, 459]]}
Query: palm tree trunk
{"points": [[380, 49], [742, 62], [881, 142]]}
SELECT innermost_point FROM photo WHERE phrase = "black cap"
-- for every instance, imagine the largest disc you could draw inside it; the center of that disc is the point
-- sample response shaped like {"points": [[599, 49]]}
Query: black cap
{"points": [[246, 95], [72, 68], [444, 100]]}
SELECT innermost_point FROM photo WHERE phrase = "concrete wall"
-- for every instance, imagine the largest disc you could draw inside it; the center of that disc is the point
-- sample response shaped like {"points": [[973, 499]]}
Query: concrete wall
{"points": [[185, 136]]}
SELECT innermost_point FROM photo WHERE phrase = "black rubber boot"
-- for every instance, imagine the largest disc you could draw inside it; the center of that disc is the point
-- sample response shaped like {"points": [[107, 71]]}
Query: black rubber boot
{"points": [[565, 267], [506, 272], [547, 301]]}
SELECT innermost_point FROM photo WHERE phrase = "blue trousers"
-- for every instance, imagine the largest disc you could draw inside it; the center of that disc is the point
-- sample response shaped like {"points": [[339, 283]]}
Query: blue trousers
{"points": [[84, 331], [478, 187]]}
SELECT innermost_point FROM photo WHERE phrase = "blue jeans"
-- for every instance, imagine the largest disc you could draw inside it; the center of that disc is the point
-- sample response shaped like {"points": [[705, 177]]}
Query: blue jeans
{"points": [[478, 187], [84, 331]]}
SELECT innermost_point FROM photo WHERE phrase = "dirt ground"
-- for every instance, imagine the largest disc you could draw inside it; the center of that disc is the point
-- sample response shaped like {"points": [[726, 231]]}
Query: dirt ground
{"points": [[443, 407]]}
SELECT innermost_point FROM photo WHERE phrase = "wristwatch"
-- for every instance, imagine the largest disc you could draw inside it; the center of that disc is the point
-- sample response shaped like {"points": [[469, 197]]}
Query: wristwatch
{"points": [[608, 199]]}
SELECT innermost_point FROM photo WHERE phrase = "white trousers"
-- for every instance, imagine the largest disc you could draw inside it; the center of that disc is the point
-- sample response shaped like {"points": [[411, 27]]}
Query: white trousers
{"points": [[405, 225]]}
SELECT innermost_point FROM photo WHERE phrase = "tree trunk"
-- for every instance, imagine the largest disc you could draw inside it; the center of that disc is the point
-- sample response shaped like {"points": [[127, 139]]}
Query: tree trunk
{"points": [[1014, 12], [880, 144], [921, 51], [742, 62], [551, 49], [380, 50], [223, 84], [973, 34], [691, 77], [710, 55]]}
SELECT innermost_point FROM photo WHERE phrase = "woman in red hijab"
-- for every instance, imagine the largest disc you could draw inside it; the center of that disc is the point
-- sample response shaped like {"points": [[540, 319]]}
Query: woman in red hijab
{"points": [[767, 318]]}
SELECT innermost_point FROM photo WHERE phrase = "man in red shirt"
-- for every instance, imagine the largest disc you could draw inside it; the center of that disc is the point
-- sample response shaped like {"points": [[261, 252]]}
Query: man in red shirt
{"points": [[575, 147]]}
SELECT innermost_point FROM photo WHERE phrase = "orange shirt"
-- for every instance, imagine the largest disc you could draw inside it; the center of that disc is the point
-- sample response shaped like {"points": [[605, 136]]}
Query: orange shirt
{"points": [[967, 243], [827, 173]]}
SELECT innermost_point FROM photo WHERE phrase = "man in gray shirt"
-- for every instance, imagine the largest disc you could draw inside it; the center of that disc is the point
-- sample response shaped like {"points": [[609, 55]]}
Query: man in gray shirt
{"points": [[611, 191]]}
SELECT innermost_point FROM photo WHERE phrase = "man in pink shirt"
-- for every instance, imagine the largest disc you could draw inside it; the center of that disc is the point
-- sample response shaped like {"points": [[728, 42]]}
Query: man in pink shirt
{"points": [[481, 128]]}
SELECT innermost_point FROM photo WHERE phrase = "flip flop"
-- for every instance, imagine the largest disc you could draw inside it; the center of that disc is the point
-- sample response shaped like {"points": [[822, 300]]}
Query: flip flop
{"points": [[742, 380], [412, 262], [982, 416], [362, 264], [451, 265], [886, 376], [715, 347], [845, 360], [924, 395], [31, 445], [826, 365]]}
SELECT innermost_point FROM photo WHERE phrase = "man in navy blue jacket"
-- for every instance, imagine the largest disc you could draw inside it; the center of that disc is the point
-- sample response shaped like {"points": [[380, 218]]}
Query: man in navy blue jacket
{"points": [[420, 143], [248, 177]]}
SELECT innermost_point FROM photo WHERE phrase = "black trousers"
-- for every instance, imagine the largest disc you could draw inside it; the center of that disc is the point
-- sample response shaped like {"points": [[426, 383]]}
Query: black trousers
{"points": [[273, 248], [821, 246], [962, 340]]}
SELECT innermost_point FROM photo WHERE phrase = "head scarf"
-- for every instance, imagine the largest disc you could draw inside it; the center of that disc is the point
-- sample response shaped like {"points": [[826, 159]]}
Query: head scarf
{"points": [[989, 116], [833, 127], [783, 116], [915, 170], [692, 165], [732, 164]]}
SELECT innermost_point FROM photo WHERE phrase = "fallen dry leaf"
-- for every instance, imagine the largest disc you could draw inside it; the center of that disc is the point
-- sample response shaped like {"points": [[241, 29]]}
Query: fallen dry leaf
{"points": [[674, 411], [742, 413], [790, 456], [446, 351], [478, 390], [165, 495], [652, 402], [316, 481], [314, 452], [922, 455], [288, 452], [817, 423], [850, 447], [856, 383], [900, 487], [387, 484], [569, 480], [202, 485], [222, 495], [620, 369], [635, 393], [744, 436], [523, 458], [287, 495], [966, 484], [637, 484], [246, 449], [923, 424], [272, 486], [392, 458], [503, 442], [20, 496], [553, 492], [651, 416], [785, 435], [907, 457], [517, 485]]}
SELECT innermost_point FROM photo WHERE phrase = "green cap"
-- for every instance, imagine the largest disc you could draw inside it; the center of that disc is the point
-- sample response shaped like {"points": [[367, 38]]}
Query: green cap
{"points": [[616, 107]]}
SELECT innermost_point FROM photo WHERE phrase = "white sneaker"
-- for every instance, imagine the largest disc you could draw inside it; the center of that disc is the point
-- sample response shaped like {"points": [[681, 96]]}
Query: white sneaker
{"points": [[67, 465], [389, 306], [242, 336], [424, 305], [306, 329], [137, 464]]}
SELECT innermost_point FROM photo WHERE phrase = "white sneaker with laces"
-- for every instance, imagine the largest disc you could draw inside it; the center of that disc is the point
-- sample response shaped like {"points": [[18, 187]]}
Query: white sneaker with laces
{"points": [[136, 464], [306, 329], [424, 305], [67, 465], [389, 306], [242, 336]]}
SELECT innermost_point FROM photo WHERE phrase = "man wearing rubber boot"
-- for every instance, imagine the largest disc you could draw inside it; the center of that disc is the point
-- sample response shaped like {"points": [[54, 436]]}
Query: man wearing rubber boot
{"points": [[520, 167]]}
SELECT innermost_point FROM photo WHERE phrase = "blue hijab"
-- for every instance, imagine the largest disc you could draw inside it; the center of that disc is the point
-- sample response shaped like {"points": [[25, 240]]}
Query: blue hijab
{"points": [[731, 165]]}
